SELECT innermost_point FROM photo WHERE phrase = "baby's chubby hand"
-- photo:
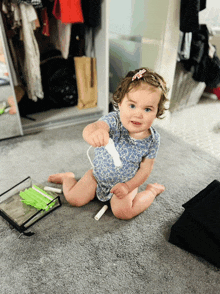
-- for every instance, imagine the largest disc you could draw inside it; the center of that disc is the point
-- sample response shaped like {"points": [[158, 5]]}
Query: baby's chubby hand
{"points": [[99, 138], [120, 190]]}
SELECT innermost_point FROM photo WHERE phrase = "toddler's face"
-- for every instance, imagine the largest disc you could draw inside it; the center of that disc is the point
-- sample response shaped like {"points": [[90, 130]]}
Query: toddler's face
{"points": [[138, 109]]}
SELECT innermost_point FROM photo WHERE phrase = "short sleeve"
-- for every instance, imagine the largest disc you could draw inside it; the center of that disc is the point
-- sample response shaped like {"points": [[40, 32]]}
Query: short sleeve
{"points": [[154, 147], [112, 120]]}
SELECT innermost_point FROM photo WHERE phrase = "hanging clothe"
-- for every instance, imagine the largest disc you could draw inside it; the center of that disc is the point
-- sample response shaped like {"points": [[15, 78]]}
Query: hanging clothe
{"points": [[60, 21], [32, 54], [64, 35], [189, 14], [35, 3], [204, 65], [184, 46], [46, 27], [91, 12], [60, 36], [68, 11]]}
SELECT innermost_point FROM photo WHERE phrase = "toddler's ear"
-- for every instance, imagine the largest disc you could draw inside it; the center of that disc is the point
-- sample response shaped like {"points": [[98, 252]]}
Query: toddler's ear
{"points": [[119, 104]]}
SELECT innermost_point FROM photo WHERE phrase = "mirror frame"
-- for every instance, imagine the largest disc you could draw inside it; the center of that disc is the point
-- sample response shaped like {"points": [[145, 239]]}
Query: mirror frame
{"points": [[5, 46]]}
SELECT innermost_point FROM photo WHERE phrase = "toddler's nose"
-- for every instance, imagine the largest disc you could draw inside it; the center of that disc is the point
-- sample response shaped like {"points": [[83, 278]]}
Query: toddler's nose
{"points": [[139, 113]]}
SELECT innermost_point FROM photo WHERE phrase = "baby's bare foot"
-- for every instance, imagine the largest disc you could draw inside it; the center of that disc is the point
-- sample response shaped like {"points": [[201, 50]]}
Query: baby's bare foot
{"points": [[155, 188], [58, 178], [11, 102]]}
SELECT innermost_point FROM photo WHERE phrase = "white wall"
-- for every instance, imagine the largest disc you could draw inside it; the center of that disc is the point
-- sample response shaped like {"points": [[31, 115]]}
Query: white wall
{"points": [[215, 40], [143, 33]]}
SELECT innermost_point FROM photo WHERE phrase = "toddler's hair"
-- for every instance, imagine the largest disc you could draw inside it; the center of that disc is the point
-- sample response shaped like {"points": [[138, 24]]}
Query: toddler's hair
{"points": [[147, 76]]}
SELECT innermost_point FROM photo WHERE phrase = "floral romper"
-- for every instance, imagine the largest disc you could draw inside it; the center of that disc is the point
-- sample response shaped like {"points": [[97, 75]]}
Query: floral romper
{"points": [[131, 152]]}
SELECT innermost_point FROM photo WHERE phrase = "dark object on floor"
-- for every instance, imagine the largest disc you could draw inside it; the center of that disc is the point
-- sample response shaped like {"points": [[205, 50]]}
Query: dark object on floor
{"points": [[198, 228]]}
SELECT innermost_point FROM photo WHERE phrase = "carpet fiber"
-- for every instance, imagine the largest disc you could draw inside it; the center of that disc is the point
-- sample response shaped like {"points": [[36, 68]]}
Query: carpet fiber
{"points": [[71, 252]]}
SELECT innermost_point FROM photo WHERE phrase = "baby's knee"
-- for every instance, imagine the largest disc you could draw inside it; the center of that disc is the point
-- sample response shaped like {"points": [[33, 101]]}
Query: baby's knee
{"points": [[122, 213], [74, 200]]}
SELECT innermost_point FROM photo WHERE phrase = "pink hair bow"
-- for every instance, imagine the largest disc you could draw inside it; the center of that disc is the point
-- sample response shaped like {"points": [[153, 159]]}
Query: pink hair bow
{"points": [[139, 74]]}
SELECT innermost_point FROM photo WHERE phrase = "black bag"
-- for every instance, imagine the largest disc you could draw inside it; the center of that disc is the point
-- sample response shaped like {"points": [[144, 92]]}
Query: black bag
{"points": [[58, 82], [198, 228]]}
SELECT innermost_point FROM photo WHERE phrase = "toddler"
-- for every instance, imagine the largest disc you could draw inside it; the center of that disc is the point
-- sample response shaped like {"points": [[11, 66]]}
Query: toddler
{"points": [[139, 99]]}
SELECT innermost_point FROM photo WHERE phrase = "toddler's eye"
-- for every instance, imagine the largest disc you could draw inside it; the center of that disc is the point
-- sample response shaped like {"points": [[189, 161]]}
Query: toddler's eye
{"points": [[132, 106], [147, 109]]}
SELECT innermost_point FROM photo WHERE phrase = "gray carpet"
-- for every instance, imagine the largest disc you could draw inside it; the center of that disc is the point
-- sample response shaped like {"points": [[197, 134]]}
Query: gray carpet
{"points": [[73, 253]]}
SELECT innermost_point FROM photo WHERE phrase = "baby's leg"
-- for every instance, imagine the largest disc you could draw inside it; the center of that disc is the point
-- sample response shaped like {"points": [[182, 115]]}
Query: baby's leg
{"points": [[76, 193], [59, 178], [135, 203]]}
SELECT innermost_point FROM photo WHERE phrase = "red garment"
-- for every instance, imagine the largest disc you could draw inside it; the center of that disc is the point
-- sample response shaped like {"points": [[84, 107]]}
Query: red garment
{"points": [[46, 29], [68, 11], [215, 91]]}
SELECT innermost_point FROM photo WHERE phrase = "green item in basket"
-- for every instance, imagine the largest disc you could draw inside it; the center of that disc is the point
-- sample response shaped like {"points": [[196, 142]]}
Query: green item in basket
{"points": [[2, 107], [37, 198]]}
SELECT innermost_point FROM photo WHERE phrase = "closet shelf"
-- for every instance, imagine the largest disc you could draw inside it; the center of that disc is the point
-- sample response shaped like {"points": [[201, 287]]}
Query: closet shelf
{"points": [[56, 118]]}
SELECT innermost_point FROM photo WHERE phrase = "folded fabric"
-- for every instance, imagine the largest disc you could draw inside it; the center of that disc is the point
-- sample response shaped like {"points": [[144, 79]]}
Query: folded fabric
{"points": [[198, 228]]}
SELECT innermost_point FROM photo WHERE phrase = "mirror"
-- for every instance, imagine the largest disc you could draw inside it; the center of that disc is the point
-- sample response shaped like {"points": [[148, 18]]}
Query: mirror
{"points": [[10, 124]]}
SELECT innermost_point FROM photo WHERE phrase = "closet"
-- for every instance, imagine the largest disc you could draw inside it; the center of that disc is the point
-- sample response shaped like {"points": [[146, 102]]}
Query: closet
{"points": [[71, 115]]}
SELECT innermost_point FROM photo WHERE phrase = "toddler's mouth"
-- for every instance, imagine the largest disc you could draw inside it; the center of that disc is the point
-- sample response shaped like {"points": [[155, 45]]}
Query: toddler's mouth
{"points": [[136, 123]]}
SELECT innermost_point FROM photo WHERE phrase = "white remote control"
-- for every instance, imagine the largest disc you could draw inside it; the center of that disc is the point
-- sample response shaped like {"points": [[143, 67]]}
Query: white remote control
{"points": [[110, 147]]}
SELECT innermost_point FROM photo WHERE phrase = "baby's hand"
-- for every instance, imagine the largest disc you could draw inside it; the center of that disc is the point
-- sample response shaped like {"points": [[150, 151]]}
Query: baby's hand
{"points": [[99, 138], [120, 190]]}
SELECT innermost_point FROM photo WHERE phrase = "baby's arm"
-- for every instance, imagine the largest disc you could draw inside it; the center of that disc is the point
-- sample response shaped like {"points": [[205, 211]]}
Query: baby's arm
{"points": [[96, 134], [122, 189]]}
